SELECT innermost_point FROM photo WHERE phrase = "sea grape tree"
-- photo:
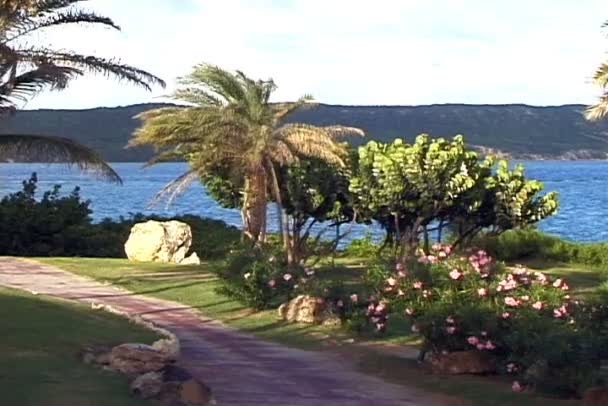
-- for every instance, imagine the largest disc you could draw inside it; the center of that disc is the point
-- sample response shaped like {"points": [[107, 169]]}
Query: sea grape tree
{"points": [[433, 184]]}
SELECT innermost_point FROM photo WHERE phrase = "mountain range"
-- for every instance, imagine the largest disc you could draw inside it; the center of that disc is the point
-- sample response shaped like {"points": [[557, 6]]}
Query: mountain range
{"points": [[516, 130]]}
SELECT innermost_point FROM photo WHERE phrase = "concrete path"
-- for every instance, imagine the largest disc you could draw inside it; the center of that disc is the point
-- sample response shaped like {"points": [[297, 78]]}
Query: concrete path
{"points": [[240, 369]]}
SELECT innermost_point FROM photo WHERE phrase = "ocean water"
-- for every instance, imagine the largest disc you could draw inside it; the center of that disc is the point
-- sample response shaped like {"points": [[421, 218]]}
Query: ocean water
{"points": [[582, 186]]}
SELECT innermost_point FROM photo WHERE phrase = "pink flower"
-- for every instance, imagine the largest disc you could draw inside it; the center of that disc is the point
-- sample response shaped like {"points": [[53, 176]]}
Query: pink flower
{"points": [[415, 329], [391, 281], [437, 246], [247, 275], [340, 303], [400, 293], [481, 346], [450, 320], [560, 312], [402, 274], [482, 292], [442, 254], [525, 298], [423, 260], [490, 346], [409, 311], [450, 330], [473, 340], [399, 267], [565, 286], [432, 259], [506, 315], [417, 285], [510, 301], [511, 368], [272, 283], [484, 333], [558, 283], [354, 298], [455, 274], [538, 305], [426, 293], [287, 277], [380, 307], [309, 271], [517, 387]]}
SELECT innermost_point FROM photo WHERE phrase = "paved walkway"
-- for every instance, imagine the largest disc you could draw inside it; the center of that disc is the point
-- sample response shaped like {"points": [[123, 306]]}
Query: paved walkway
{"points": [[240, 369]]}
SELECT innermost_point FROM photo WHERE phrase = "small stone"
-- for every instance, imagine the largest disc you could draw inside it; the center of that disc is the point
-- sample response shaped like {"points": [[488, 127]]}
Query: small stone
{"points": [[136, 359], [148, 385], [191, 260], [309, 310]]}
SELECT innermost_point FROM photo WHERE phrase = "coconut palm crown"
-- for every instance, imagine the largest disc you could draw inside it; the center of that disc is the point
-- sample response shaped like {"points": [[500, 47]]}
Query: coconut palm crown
{"points": [[231, 124], [28, 67], [600, 78]]}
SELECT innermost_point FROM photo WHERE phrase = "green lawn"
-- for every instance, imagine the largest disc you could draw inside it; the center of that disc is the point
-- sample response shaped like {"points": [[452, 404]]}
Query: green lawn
{"points": [[194, 286], [39, 347]]}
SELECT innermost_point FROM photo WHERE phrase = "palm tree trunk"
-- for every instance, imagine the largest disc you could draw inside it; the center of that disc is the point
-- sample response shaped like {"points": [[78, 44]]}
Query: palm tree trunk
{"points": [[255, 208], [283, 220]]}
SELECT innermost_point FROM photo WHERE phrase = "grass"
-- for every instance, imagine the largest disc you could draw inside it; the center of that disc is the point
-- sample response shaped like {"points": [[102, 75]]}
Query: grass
{"points": [[39, 347], [194, 286]]}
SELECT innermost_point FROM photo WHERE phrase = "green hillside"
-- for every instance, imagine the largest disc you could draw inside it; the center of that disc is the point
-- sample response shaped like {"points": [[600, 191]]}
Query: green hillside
{"points": [[520, 131]]}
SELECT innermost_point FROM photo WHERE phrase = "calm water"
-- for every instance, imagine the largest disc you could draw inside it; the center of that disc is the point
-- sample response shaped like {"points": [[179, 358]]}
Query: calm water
{"points": [[582, 185]]}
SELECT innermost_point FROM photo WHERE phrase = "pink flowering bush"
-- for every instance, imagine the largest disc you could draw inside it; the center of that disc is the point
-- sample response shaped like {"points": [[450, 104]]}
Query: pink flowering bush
{"points": [[460, 302], [258, 279]]}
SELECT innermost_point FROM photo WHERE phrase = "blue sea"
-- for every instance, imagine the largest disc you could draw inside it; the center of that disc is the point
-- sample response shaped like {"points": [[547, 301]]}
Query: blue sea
{"points": [[582, 187]]}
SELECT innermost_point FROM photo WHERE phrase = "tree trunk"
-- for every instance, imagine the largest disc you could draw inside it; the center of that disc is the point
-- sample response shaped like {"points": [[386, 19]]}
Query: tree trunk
{"points": [[255, 203], [283, 220]]}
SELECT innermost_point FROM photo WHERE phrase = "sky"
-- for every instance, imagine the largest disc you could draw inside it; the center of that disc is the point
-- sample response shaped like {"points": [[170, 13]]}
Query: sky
{"points": [[355, 52]]}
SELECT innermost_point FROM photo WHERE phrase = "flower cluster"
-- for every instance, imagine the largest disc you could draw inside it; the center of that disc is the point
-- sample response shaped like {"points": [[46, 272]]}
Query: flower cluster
{"points": [[471, 302], [377, 311]]}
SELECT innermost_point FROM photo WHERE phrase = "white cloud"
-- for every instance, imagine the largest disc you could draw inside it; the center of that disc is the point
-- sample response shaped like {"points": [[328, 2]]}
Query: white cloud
{"points": [[354, 52]]}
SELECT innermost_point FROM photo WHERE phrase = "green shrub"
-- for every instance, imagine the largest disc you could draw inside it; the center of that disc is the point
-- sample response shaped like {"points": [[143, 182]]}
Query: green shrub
{"points": [[518, 245], [256, 278], [61, 226], [468, 302], [363, 248]]}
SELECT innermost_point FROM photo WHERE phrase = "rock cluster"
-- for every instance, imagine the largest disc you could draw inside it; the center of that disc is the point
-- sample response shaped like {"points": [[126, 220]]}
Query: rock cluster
{"points": [[166, 242], [153, 373], [309, 310]]}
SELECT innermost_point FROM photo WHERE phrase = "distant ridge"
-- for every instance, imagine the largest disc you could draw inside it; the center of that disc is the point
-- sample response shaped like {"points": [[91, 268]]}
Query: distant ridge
{"points": [[513, 130]]}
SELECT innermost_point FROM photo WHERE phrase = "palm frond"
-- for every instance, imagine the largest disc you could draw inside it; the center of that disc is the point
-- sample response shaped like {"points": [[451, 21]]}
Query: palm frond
{"points": [[92, 64], [31, 25], [174, 188], [42, 148], [598, 110], [281, 110]]}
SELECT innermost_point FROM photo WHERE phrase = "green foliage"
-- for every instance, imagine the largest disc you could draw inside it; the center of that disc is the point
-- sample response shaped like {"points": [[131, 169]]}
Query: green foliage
{"points": [[410, 188], [527, 244], [527, 321], [256, 278], [29, 227], [362, 248], [62, 226]]}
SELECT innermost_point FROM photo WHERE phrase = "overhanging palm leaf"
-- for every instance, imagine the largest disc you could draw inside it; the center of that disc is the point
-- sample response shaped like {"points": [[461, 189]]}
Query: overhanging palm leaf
{"points": [[40, 148], [27, 69]]}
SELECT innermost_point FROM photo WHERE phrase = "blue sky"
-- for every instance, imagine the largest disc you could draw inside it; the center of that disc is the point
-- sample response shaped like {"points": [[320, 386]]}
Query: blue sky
{"points": [[539, 52]]}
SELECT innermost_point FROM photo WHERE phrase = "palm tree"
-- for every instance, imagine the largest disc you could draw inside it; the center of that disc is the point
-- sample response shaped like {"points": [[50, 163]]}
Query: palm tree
{"points": [[231, 127], [600, 78], [27, 69]]}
